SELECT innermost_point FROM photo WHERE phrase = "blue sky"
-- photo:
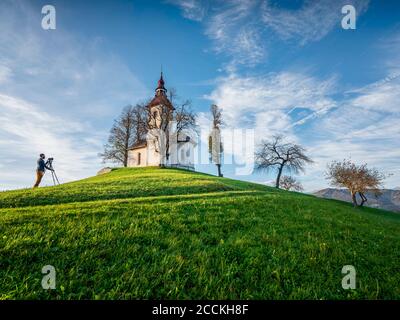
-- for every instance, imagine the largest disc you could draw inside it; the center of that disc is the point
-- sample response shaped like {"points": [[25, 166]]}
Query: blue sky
{"points": [[272, 66]]}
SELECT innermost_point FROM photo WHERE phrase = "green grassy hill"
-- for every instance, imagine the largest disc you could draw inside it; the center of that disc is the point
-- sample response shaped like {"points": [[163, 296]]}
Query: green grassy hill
{"points": [[164, 233]]}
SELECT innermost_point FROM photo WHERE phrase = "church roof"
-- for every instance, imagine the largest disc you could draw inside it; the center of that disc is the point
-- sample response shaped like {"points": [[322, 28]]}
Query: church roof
{"points": [[160, 99], [139, 145]]}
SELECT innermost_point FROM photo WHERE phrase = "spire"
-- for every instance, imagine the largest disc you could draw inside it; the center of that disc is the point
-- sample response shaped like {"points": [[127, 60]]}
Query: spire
{"points": [[160, 86], [160, 95]]}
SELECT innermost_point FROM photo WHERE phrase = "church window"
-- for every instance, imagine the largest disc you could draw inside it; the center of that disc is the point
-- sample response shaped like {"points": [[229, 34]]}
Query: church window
{"points": [[139, 158]]}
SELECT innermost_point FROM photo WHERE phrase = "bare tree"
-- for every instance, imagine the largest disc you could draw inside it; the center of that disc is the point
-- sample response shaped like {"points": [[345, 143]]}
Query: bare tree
{"points": [[173, 95], [276, 154], [290, 183], [127, 129], [139, 116], [185, 119], [215, 147], [356, 178]]}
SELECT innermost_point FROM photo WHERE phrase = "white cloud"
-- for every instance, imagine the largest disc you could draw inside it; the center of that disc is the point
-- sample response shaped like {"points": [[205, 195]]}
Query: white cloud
{"points": [[235, 33], [391, 46], [191, 9], [382, 97], [240, 29], [311, 22], [263, 102]]}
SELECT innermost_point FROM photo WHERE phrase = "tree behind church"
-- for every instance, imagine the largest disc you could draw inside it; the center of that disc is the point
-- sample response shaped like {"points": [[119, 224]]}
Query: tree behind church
{"points": [[129, 128]]}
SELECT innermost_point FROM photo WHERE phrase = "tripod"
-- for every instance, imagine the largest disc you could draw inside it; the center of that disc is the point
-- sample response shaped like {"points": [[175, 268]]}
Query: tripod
{"points": [[49, 164]]}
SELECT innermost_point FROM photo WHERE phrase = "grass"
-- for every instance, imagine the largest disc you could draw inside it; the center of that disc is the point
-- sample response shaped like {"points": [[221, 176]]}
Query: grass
{"points": [[166, 233]]}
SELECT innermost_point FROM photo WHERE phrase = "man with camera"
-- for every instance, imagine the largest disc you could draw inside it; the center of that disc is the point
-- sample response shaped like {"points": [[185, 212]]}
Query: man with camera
{"points": [[41, 168]]}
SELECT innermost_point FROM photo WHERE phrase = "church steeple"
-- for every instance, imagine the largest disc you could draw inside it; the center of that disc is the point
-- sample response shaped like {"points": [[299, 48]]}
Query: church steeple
{"points": [[161, 95], [160, 90]]}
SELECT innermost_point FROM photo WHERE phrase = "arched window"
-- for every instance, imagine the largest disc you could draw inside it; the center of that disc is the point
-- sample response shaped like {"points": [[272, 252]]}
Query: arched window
{"points": [[139, 158]]}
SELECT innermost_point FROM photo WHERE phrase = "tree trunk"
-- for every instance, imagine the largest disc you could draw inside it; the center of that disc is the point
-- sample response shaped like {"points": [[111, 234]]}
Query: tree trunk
{"points": [[125, 160], [126, 154], [166, 146], [278, 178], [128, 135], [354, 199], [219, 170], [363, 198]]}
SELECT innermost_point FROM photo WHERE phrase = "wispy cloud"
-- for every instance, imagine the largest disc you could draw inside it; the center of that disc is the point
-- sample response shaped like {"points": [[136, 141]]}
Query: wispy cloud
{"points": [[238, 28], [235, 33], [385, 97], [264, 102], [311, 22], [191, 9], [391, 45]]}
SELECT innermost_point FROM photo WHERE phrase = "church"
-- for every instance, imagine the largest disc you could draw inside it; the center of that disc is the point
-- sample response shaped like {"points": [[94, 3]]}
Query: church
{"points": [[150, 152]]}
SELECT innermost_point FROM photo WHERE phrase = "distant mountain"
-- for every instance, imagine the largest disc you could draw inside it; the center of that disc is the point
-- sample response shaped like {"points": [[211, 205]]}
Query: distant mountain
{"points": [[389, 200]]}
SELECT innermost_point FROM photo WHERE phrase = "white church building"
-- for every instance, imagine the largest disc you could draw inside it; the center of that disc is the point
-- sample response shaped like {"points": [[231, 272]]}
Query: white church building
{"points": [[149, 152]]}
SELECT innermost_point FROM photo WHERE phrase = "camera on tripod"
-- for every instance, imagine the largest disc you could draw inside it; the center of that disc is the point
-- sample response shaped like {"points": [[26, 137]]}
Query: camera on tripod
{"points": [[49, 164]]}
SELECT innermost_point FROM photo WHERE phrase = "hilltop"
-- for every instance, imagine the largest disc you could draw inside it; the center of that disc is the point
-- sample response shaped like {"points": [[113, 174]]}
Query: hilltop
{"points": [[174, 234]]}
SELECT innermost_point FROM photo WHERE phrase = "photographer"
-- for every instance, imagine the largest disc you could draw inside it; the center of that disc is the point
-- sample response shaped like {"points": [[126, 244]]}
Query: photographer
{"points": [[41, 168]]}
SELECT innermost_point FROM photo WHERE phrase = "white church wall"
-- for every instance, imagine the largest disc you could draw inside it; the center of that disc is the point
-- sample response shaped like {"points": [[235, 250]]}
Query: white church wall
{"points": [[173, 156], [153, 157], [133, 157]]}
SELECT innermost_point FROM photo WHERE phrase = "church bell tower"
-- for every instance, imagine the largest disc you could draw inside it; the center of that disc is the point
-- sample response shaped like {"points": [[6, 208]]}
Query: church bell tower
{"points": [[160, 106]]}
